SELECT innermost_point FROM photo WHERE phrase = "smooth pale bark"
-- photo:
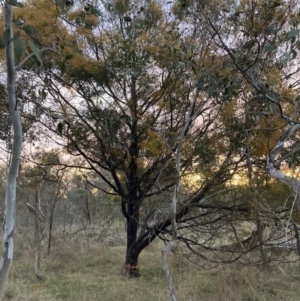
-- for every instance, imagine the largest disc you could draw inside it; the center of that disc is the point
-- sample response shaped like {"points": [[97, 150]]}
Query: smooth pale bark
{"points": [[291, 182], [273, 167], [171, 243], [173, 214], [10, 198]]}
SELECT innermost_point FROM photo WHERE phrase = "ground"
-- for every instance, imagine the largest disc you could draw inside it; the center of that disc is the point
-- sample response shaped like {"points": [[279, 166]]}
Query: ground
{"points": [[81, 268]]}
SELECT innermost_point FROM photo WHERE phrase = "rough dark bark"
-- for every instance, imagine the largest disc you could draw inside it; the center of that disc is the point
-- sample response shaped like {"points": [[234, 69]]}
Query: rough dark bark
{"points": [[131, 263], [136, 244]]}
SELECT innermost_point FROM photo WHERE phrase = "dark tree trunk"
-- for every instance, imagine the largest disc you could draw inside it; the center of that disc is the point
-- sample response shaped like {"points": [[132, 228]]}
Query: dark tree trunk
{"points": [[51, 220], [135, 244], [51, 217], [131, 207], [131, 263]]}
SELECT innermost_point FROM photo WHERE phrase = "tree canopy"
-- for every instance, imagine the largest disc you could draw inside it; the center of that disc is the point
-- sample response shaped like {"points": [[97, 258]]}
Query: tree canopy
{"points": [[116, 82]]}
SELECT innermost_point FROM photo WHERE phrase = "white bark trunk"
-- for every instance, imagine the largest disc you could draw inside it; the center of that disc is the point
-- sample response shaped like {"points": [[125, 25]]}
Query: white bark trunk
{"points": [[170, 244], [173, 239], [283, 178], [10, 198], [274, 169]]}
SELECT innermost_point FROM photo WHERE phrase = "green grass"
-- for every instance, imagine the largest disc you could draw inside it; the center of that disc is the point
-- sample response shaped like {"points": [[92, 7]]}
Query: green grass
{"points": [[74, 272]]}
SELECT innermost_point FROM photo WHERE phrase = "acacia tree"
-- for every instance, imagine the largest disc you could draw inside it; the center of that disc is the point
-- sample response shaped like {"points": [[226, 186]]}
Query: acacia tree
{"points": [[118, 97], [42, 186]]}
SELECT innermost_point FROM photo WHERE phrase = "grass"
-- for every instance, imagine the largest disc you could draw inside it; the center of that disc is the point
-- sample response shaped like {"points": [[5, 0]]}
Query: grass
{"points": [[76, 271]]}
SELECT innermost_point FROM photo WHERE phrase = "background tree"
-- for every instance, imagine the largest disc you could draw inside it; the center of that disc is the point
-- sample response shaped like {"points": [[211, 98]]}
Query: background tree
{"points": [[271, 74], [260, 39], [42, 185]]}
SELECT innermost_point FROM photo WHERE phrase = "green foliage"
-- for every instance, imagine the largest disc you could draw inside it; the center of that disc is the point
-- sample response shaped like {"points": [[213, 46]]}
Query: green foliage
{"points": [[122, 7], [136, 75], [5, 37], [205, 154], [35, 51], [30, 30], [19, 48], [118, 90], [51, 158]]}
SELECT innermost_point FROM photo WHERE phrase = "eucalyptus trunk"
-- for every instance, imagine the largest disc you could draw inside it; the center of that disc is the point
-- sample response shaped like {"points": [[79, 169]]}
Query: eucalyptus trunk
{"points": [[10, 198], [273, 163], [132, 253]]}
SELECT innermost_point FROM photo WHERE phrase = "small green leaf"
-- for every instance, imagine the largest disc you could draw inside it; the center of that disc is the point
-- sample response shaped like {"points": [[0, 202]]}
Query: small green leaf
{"points": [[19, 48], [271, 30], [181, 64], [30, 30], [119, 146], [35, 51], [249, 44], [228, 84], [127, 19], [107, 140], [293, 33], [270, 47], [96, 12], [5, 37]]}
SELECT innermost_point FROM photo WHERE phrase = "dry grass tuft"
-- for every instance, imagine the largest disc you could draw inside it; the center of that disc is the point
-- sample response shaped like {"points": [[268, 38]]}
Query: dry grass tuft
{"points": [[85, 270]]}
